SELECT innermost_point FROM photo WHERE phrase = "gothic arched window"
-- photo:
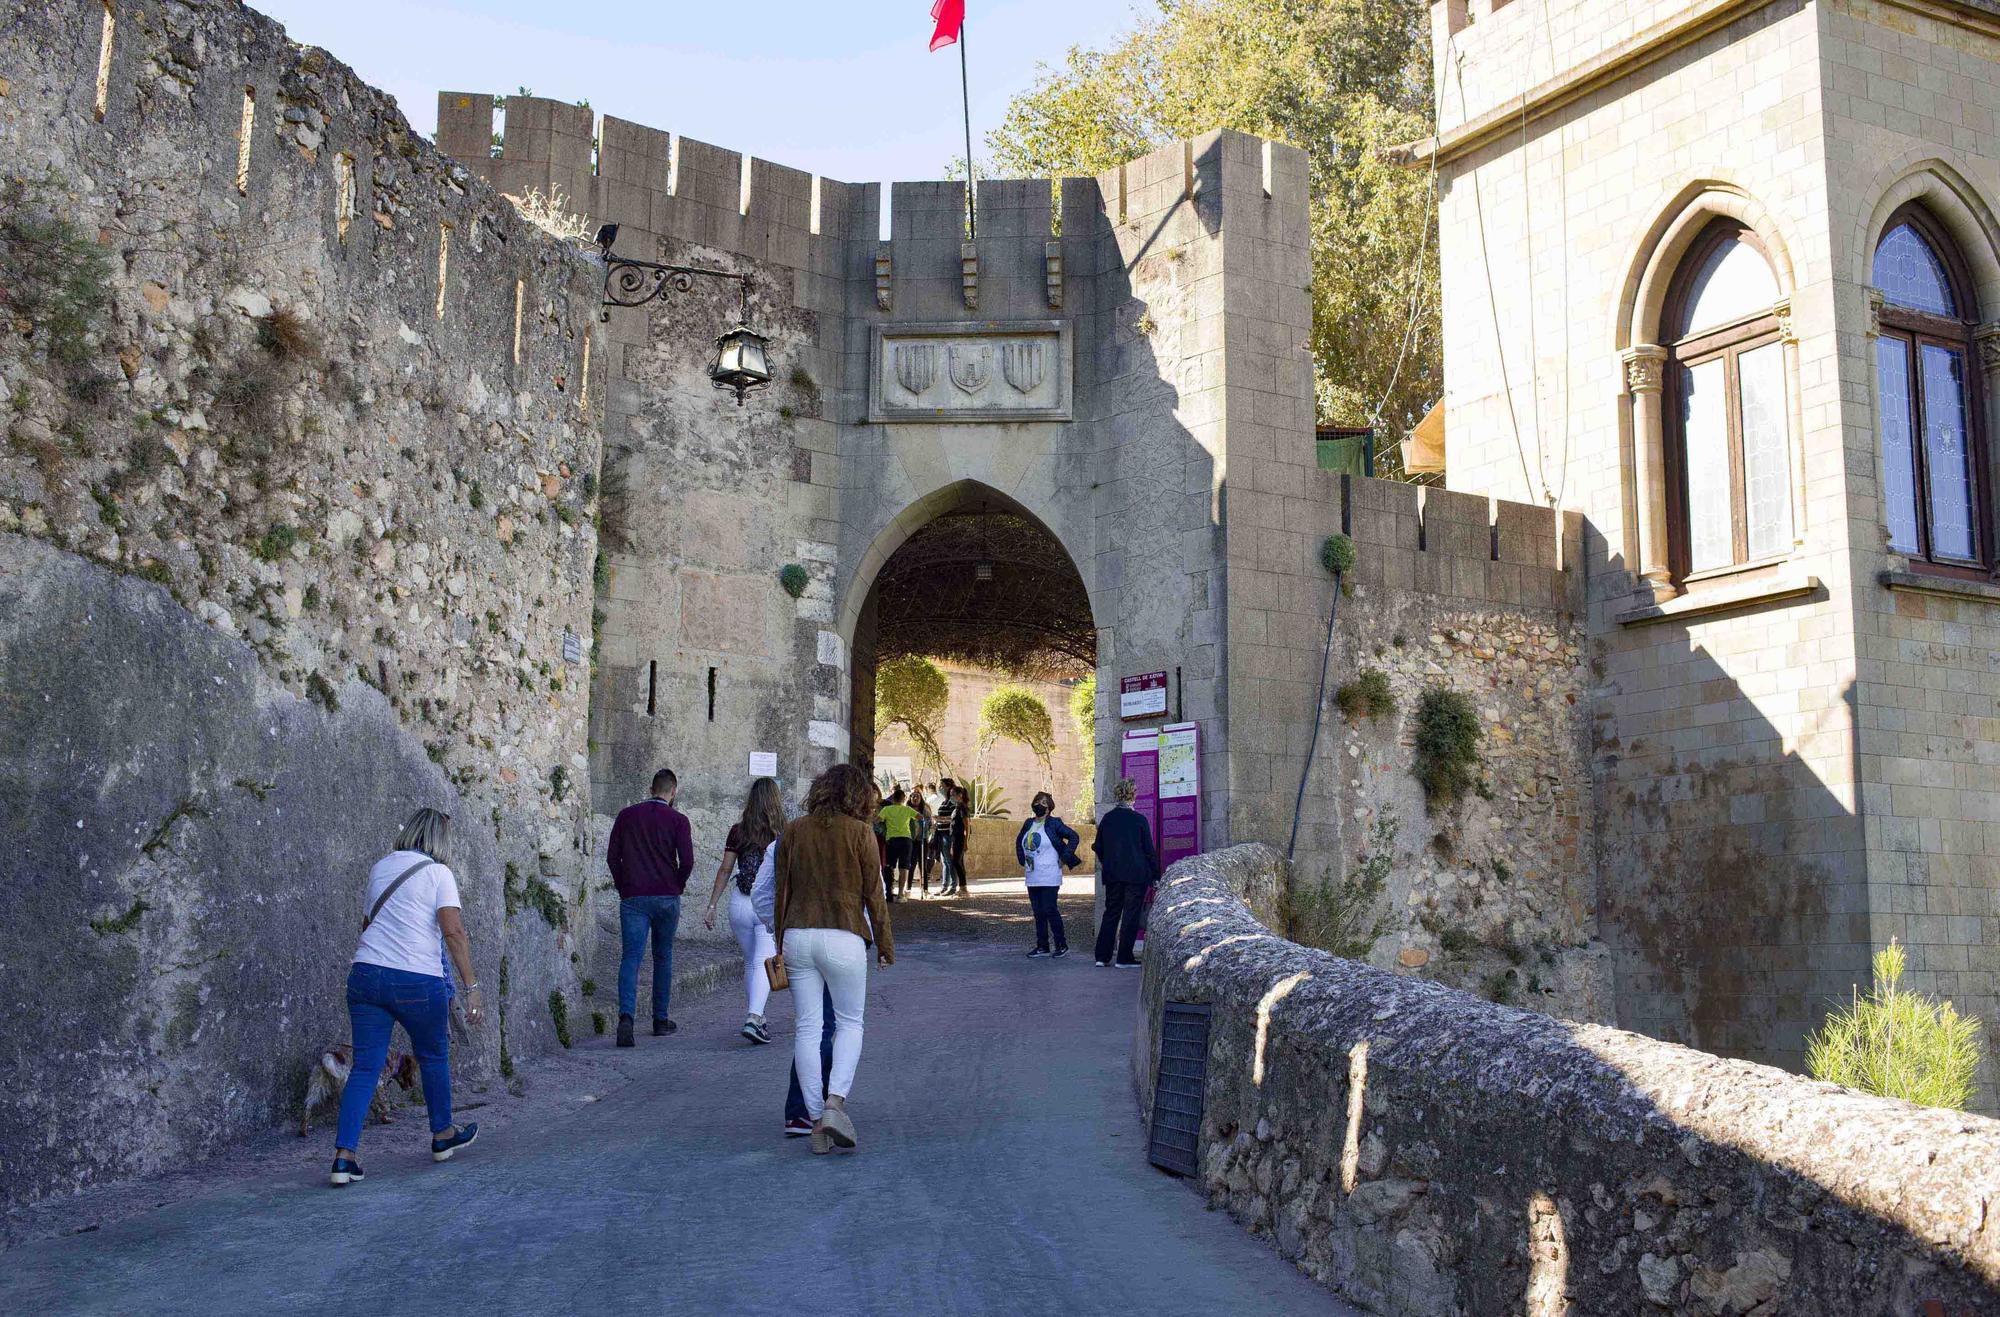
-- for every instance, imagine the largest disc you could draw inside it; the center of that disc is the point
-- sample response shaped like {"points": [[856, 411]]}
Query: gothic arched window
{"points": [[1927, 411], [1727, 418]]}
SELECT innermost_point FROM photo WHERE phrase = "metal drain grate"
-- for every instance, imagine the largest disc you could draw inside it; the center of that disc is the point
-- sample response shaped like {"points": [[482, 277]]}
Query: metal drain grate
{"points": [[1177, 1088]]}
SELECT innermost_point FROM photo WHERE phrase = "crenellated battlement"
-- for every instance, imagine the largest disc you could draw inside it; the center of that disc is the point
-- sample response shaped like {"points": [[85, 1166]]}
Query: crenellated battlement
{"points": [[652, 182], [1467, 546]]}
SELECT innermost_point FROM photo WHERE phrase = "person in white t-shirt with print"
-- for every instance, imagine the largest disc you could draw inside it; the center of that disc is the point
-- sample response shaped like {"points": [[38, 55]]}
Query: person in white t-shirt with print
{"points": [[411, 917], [1046, 846]]}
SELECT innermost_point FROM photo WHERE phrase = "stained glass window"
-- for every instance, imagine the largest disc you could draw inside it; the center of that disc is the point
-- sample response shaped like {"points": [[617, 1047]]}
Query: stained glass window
{"points": [[1910, 274], [1899, 455], [1948, 452]]}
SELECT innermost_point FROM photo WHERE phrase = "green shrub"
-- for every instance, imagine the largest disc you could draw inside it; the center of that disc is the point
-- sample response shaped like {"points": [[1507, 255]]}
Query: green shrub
{"points": [[1344, 915], [1367, 696], [559, 1012], [1447, 745], [1898, 1044], [276, 542], [1337, 554], [794, 578]]}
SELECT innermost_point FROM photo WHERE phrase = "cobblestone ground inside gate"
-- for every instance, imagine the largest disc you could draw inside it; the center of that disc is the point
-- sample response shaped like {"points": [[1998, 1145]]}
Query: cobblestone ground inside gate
{"points": [[1001, 1170]]}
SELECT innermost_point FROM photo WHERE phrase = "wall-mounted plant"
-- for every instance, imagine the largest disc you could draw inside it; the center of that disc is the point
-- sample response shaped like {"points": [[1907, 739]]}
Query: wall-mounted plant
{"points": [[56, 277], [1338, 556], [794, 578], [559, 1013], [1447, 745], [1345, 915], [1367, 696]]}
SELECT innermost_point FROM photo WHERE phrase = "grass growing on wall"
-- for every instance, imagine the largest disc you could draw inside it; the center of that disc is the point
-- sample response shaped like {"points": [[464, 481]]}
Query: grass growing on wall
{"points": [[1344, 915], [1898, 1044], [1367, 696], [1446, 746]]}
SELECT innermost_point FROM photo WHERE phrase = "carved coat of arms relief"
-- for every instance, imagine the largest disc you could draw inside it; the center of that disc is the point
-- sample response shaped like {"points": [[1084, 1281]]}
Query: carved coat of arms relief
{"points": [[1023, 365], [916, 366], [971, 366]]}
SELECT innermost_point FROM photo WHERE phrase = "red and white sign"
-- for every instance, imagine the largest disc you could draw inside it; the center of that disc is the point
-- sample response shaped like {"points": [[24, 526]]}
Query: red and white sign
{"points": [[1143, 696]]}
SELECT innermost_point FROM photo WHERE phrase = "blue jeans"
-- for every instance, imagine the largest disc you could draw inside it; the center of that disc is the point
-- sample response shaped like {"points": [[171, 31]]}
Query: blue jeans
{"points": [[638, 916], [1048, 917], [379, 999], [795, 1100]]}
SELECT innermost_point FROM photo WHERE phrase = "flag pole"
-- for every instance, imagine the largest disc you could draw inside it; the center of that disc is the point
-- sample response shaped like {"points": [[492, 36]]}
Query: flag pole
{"points": [[965, 92]]}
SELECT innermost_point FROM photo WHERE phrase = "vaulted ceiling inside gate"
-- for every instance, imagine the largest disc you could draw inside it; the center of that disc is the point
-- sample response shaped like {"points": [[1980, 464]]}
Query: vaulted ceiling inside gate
{"points": [[984, 585]]}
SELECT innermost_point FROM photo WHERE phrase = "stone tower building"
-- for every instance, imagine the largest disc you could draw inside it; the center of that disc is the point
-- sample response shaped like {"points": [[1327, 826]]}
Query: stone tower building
{"points": [[1725, 277]]}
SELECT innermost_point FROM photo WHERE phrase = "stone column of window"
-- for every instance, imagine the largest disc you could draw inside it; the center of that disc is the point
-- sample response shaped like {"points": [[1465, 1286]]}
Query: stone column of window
{"points": [[1788, 335], [1644, 368]]}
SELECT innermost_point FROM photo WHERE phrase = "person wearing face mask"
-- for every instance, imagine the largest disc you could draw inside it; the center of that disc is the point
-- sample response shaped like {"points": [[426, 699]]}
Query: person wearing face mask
{"points": [[1046, 846]]}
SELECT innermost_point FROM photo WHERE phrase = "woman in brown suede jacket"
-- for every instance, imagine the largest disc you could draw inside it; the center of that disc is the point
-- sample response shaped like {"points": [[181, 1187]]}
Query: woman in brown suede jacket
{"points": [[829, 910]]}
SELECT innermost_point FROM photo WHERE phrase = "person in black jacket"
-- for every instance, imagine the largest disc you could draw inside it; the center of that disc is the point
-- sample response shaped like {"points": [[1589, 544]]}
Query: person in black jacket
{"points": [[1046, 846], [1127, 863]]}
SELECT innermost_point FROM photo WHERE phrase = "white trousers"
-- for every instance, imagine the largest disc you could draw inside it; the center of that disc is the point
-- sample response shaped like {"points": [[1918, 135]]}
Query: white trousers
{"points": [[836, 960], [758, 946]]}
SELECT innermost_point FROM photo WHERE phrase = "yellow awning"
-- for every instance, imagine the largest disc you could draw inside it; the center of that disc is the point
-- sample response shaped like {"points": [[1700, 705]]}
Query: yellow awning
{"points": [[1423, 451]]}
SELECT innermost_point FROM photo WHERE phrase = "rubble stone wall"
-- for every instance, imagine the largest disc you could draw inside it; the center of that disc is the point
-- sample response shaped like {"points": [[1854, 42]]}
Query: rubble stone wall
{"points": [[296, 534], [1421, 1151]]}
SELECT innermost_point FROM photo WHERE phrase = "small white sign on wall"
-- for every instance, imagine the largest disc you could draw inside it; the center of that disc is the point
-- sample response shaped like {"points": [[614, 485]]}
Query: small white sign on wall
{"points": [[763, 763]]}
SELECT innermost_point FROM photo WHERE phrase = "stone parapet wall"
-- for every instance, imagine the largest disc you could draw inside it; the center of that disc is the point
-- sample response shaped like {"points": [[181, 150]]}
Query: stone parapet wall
{"points": [[1420, 1151], [296, 515]]}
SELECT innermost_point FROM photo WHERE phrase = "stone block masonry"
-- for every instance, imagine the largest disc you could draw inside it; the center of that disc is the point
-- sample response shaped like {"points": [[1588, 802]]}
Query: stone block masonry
{"points": [[296, 512], [1420, 1151]]}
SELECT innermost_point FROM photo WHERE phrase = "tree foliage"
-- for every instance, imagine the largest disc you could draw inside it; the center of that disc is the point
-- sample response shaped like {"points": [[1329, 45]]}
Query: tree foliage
{"points": [[1341, 79], [1898, 1044], [1083, 715], [1018, 714], [912, 693]]}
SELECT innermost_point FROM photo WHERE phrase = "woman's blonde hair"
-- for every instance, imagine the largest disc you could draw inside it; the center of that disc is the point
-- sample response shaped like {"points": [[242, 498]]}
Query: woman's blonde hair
{"points": [[1126, 791], [763, 816], [429, 831]]}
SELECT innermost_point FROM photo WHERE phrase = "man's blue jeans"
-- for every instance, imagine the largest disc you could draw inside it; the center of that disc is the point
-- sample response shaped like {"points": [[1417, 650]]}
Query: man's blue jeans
{"points": [[795, 1100], [378, 999], [638, 916]]}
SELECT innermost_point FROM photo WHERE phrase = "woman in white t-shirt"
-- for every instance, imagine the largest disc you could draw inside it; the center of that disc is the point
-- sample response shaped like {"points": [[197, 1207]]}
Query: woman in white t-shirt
{"points": [[410, 918], [1046, 846]]}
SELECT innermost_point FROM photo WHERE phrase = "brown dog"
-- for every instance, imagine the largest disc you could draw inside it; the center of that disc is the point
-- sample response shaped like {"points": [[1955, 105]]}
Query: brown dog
{"points": [[328, 1080]]}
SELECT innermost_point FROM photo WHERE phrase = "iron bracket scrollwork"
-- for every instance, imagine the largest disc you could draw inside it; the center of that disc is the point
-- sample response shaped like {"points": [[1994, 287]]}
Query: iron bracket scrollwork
{"points": [[629, 282]]}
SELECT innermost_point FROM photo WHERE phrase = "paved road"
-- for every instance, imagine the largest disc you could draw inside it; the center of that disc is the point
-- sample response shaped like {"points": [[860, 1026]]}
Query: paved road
{"points": [[1001, 1170]]}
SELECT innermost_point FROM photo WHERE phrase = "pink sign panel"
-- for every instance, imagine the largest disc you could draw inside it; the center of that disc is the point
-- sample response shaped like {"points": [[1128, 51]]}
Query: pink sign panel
{"points": [[1139, 759], [1177, 764], [1143, 696]]}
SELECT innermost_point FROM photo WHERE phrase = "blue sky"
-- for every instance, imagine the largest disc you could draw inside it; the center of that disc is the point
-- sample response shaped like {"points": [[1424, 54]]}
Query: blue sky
{"points": [[847, 90]]}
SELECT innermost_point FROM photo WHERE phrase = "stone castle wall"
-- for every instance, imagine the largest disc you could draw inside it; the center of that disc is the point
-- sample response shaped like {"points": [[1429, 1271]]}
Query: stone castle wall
{"points": [[296, 509], [1419, 1151]]}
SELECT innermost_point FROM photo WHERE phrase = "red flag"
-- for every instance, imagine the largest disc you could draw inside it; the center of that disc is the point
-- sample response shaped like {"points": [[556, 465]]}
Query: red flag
{"points": [[950, 16]]}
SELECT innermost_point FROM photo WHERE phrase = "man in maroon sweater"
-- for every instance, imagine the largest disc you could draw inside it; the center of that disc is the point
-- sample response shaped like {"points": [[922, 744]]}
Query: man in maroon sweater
{"points": [[651, 855]]}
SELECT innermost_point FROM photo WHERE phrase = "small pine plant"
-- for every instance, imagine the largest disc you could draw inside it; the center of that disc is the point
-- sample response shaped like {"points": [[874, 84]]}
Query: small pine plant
{"points": [[794, 578], [1898, 1044]]}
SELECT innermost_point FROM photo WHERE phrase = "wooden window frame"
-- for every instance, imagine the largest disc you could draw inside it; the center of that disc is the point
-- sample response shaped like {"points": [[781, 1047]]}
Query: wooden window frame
{"points": [[1914, 329], [1727, 343]]}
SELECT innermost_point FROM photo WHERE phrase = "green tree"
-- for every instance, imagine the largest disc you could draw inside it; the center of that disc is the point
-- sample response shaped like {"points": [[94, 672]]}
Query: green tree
{"points": [[1341, 79], [1898, 1044], [1083, 715], [1018, 714], [912, 693]]}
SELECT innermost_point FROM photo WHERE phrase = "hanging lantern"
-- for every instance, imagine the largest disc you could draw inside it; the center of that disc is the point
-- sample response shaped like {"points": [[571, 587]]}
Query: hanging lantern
{"points": [[740, 362]]}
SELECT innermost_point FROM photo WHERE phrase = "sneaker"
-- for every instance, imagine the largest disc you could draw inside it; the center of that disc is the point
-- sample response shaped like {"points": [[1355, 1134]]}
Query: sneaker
{"points": [[755, 1031], [625, 1031], [346, 1171], [661, 1028], [798, 1127], [1127, 964], [1060, 952], [461, 1137], [1037, 953], [1103, 964]]}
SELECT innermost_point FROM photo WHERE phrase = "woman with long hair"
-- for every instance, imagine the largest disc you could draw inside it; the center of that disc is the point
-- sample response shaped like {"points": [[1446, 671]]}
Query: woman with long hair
{"points": [[944, 831], [763, 819], [411, 919], [829, 908]]}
